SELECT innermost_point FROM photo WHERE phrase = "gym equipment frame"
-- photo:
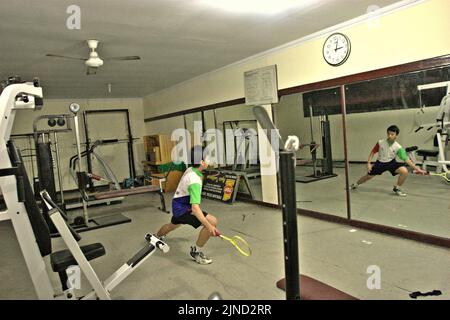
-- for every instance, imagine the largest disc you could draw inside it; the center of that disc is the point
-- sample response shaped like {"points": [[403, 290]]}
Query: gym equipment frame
{"points": [[130, 139], [28, 222]]}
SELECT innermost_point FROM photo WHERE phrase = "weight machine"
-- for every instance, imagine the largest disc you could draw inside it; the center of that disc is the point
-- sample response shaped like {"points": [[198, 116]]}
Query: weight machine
{"points": [[327, 159], [442, 124], [85, 223], [244, 137], [241, 167], [29, 223], [46, 140], [131, 181]]}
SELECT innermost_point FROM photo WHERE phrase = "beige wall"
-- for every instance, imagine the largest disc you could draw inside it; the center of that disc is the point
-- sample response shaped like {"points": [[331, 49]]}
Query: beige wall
{"points": [[414, 33], [417, 32], [108, 127]]}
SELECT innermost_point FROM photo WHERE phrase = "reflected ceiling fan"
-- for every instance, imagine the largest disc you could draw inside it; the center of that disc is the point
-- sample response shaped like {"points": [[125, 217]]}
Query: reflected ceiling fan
{"points": [[93, 62]]}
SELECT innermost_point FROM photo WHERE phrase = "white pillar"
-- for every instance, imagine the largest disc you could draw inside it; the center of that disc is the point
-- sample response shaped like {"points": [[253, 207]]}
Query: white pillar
{"points": [[268, 168]]}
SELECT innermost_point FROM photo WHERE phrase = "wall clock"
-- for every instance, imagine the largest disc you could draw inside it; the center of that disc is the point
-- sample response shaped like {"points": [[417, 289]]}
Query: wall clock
{"points": [[336, 49]]}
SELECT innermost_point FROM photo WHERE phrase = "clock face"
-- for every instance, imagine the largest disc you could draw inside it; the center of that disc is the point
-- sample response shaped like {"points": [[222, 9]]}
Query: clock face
{"points": [[336, 49]]}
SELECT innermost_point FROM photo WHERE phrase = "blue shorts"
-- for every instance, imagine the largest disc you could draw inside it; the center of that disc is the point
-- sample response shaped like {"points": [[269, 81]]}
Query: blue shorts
{"points": [[380, 167]]}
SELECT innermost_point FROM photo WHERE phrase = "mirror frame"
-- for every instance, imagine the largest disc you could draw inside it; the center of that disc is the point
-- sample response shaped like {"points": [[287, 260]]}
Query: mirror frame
{"points": [[431, 63]]}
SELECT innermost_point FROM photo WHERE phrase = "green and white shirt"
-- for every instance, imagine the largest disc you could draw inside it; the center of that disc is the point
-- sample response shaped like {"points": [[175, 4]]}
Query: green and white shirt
{"points": [[189, 192], [389, 151]]}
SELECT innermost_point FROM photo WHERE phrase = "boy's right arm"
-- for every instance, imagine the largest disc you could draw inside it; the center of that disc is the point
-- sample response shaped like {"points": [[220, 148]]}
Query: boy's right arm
{"points": [[372, 153], [195, 199], [197, 211]]}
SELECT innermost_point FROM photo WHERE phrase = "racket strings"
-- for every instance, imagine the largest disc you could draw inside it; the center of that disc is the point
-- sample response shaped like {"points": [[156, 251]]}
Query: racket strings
{"points": [[242, 246]]}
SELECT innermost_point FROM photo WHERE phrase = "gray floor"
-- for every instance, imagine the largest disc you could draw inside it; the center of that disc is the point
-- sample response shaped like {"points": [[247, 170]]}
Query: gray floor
{"points": [[425, 209], [332, 253]]}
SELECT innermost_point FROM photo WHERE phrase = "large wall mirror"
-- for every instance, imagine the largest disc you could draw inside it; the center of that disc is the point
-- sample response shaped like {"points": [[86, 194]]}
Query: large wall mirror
{"points": [[240, 145], [412, 102], [333, 141], [230, 133], [315, 117]]}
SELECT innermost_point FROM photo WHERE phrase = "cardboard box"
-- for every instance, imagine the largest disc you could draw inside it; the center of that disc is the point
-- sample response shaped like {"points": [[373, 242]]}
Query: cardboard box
{"points": [[171, 184]]}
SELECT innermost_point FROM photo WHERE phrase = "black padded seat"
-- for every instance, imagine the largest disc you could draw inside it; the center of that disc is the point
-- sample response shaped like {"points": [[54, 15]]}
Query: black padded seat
{"points": [[428, 153], [411, 149], [61, 260]]}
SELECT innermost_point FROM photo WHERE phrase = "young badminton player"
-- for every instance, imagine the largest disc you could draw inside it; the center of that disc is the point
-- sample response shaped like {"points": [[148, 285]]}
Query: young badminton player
{"points": [[186, 207], [388, 151]]}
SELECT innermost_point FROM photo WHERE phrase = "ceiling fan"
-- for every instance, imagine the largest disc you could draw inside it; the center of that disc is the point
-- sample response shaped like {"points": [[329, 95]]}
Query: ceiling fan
{"points": [[94, 61]]}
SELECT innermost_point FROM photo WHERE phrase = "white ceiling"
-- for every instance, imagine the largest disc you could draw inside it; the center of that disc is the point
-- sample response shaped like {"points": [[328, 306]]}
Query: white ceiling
{"points": [[176, 39]]}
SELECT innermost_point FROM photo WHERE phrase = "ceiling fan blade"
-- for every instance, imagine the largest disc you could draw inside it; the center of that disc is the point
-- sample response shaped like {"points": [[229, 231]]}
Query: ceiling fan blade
{"points": [[91, 71], [123, 58], [64, 57]]}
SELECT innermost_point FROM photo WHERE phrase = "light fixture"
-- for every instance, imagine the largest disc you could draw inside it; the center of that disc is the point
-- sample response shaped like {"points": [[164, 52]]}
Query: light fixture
{"points": [[266, 7]]}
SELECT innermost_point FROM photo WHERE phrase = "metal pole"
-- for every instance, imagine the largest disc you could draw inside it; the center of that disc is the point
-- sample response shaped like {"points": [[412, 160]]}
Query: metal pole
{"points": [[313, 148], [58, 169], [311, 121], [130, 148], [186, 139], [30, 145], [219, 155], [203, 143], [290, 237], [344, 131], [77, 138], [88, 146]]}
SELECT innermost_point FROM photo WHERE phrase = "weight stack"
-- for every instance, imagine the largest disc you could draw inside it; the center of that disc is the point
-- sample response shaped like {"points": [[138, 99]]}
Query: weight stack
{"points": [[45, 169]]}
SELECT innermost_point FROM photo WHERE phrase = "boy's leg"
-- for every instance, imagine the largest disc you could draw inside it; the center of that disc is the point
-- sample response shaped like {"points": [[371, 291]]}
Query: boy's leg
{"points": [[361, 180], [403, 174], [204, 234], [165, 229], [365, 178]]}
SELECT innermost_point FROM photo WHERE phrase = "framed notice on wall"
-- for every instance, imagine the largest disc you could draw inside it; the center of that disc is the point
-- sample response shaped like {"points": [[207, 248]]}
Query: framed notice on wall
{"points": [[261, 86]]}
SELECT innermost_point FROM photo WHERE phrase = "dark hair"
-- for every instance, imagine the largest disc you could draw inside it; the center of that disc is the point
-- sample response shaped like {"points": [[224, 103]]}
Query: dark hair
{"points": [[196, 156], [394, 128]]}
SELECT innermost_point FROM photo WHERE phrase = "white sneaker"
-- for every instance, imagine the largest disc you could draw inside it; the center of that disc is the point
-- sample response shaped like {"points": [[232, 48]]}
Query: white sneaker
{"points": [[199, 256], [354, 186], [399, 192]]}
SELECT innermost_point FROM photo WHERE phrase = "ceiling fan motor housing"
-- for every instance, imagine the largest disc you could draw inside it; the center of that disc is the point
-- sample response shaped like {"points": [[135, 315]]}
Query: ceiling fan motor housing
{"points": [[94, 61]]}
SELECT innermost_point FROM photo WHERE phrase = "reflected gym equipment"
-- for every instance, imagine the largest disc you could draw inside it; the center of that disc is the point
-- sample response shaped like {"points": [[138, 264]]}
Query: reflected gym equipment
{"points": [[327, 159]]}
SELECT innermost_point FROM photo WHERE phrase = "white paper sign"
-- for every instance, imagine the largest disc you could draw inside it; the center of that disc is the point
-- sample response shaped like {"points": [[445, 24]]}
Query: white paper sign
{"points": [[261, 86]]}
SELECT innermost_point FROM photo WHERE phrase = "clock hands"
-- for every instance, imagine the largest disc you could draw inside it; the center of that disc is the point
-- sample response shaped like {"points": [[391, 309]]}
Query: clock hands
{"points": [[336, 49]]}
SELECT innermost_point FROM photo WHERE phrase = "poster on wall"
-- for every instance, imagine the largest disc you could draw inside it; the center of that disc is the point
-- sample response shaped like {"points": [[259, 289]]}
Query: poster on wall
{"points": [[220, 186], [261, 86]]}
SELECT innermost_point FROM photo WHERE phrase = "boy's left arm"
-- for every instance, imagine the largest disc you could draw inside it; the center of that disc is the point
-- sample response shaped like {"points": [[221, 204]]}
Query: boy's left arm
{"points": [[401, 153]]}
